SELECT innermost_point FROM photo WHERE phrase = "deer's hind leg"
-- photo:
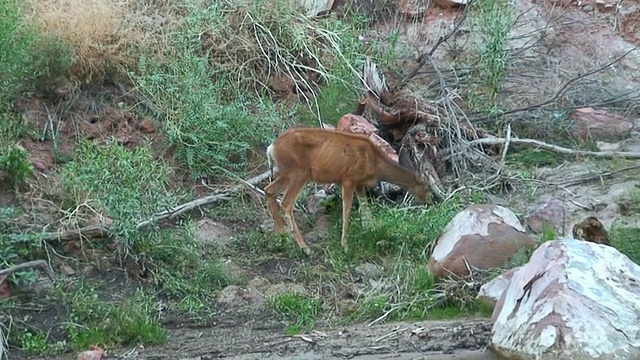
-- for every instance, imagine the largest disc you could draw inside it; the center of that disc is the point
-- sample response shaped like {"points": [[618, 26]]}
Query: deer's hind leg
{"points": [[271, 192], [365, 211]]}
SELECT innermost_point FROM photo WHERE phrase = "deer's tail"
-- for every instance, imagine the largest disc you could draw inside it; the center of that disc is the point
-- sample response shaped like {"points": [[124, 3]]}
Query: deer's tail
{"points": [[270, 158]]}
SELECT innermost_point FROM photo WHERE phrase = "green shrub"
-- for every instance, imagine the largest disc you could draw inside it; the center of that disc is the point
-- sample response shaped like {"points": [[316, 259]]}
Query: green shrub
{"points": [[127, 185], [16, 165], [491, 23], [27, 62]]}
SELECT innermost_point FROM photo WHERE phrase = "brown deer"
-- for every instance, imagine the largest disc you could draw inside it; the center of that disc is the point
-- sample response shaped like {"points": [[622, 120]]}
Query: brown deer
{"points": [[327, 156]]}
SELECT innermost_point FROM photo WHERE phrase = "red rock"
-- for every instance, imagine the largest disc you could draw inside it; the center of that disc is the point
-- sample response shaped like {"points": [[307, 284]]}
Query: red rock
{"points": [[39, 165], [5, 290], [480, 236], [100, 220], [146, 127], [552, 213], [491, 292], [95, 353], [446, 4], [359, 125], [600, 125], [67, 270], [71, 246]]}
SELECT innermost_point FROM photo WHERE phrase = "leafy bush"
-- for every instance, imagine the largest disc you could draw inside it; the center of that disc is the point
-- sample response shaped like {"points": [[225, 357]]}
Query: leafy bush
{"points": [[206, 130], [15, 50], [127, 185], [491, 21], [15, 245], [16, 165], [28, 60], [221, 59]]}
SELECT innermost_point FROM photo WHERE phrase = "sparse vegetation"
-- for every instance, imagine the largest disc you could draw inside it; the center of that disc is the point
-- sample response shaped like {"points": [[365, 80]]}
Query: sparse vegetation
{"points": [[492, 21], [15, 163], [93, 320], [35, 343], [112, 112]]}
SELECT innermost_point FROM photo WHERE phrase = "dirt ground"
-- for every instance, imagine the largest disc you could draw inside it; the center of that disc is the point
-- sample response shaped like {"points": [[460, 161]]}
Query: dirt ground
{"points": [[262, 339], [254, 332], [460, 339]]}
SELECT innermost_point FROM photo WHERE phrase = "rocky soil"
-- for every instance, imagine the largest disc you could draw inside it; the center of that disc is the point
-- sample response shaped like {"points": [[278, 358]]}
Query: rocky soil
{"points": [[244, 328]]}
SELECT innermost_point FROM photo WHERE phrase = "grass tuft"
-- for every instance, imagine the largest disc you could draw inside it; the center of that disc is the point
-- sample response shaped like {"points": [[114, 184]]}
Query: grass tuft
{"points": [[133, 320], [299, 310]]}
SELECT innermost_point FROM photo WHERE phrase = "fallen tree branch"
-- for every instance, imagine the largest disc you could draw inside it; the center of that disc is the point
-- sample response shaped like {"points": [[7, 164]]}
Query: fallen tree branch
{"points": [[102, 230], [4, 274], [563, 89], [557, 149], [403, 116]]}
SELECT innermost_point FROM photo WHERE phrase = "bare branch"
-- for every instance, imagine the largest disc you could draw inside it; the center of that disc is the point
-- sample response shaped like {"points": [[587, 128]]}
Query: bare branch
{"points": [[563, 89], [557, 149], [4, 274], [102, 230], [422, 59], [598, 177]]}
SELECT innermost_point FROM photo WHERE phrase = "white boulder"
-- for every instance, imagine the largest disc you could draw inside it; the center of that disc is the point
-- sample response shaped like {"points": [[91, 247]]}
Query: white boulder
{"points": [[573, 300], [492, 291]]}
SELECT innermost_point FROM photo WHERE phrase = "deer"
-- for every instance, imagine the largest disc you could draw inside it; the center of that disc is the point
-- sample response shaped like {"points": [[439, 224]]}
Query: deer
{"points": [[353, 161]]}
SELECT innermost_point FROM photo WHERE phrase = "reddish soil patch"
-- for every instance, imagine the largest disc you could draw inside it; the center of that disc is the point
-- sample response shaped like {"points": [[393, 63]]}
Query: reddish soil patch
{"points": [[630, 26], [99, 114]]}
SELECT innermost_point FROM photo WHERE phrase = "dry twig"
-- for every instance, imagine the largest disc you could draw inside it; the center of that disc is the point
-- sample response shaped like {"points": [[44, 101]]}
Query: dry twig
{"points": [[561, 91], [4, 274], [102, 230], [557, 149]]}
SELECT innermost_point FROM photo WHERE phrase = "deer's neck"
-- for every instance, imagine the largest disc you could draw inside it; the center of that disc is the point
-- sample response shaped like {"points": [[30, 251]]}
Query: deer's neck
{"points": [[394, 173]]}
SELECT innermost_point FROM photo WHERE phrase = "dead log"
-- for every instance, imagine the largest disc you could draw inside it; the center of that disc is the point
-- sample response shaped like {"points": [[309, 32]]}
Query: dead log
{"points": [[419, 148]]}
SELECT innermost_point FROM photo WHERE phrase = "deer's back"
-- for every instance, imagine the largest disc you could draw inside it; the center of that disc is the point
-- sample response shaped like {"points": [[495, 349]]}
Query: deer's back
{"points": [[327, 156]]}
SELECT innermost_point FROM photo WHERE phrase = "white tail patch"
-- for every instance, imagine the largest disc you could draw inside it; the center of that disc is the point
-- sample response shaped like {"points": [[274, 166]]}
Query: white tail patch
{"points": [[270, 158]]}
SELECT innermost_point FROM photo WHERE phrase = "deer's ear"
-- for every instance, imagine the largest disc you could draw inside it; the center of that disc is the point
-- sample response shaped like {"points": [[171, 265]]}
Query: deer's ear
{"points": [[422, 177]]}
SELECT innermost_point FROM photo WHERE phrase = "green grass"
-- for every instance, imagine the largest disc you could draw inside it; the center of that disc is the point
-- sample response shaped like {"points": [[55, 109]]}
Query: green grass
{"points": [[393, 232], [398, 240], [534, 158], [94, 320], [626, 241], [300, 311], [36, 343]]}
